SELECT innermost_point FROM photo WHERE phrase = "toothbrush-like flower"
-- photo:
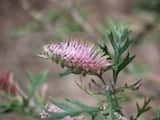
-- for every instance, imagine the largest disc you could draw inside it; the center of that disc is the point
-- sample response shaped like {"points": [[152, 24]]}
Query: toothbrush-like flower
{"points": [[77, 55], [53, 108]]}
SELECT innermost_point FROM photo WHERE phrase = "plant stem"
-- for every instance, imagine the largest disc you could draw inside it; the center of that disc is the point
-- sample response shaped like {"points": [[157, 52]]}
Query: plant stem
{"points": [[113, 104], [110, 104], [93, 117], [101, 78], [115, 76]]}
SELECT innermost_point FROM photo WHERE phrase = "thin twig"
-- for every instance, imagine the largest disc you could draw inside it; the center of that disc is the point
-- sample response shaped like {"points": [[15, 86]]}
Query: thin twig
{"points": [[101, 78]]}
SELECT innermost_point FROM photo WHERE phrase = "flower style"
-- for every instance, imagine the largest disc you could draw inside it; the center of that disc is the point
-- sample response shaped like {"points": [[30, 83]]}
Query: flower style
{"points": [[77, 55], [7, 83], [53, 108]]}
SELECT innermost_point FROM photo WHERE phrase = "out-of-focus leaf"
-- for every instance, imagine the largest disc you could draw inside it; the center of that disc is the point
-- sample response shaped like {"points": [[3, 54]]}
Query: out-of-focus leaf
{"points": [[138, 69], [149, 5], [25, 29], [79, 103], [36, 80], [54, 14], [157, 115], [72, 108], [63, 106]]}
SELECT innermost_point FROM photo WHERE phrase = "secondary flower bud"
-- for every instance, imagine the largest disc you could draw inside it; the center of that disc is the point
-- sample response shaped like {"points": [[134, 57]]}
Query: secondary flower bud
{"points": [[53, 108], [7, 83]]}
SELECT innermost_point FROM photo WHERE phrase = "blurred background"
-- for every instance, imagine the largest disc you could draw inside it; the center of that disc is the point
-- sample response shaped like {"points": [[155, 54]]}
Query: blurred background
{"points": [[26, 25]]}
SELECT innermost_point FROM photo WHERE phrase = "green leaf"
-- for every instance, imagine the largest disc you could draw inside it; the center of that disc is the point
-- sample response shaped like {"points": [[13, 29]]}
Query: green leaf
{"points": [[125, 46], [64, 106], [72, 108], [79, 103], [144, 108], [125, 62], [59, 115], [36, 80], [104, 48], [41, 77], [110, 36], [13, 106], [157, 115]]}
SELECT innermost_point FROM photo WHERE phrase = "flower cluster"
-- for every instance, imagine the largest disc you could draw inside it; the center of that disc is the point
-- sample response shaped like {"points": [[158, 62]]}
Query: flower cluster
{"points": [[7, 83], [77, 55], [53, 108]]}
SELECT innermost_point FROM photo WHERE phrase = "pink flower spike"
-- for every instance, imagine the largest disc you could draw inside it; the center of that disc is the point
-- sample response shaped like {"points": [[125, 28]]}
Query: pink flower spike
{"points": [[78, 55]]}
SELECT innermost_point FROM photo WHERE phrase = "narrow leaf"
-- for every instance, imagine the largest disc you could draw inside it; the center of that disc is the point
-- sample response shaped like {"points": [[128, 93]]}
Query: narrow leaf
{"points": [[125, 62]]}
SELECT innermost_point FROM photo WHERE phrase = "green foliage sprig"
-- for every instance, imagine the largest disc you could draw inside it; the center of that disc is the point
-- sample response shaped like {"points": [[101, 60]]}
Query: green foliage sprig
{"points": [[120, 39], [110, 108]]}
